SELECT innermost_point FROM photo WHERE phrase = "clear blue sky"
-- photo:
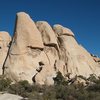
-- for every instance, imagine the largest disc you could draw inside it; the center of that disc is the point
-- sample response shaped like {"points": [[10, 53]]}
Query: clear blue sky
{"points": [[81, 16]]}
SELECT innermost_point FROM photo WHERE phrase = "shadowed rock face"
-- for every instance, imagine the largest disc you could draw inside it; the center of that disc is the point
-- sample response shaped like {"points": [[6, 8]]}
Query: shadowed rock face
{"points": [[4, 45], [38, 52]]}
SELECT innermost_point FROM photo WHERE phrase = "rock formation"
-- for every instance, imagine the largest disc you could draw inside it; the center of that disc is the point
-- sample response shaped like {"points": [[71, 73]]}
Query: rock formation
{"points": [[79, 61], [38, 51], [8, 96], [4, 45]]}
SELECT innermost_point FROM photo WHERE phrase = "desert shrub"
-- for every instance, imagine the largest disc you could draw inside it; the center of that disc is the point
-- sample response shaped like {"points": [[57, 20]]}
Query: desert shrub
{"points": [[22, 88], [4, 83], [61, 90], [92, 78], [59, 79], [49, 93], [94, 87]]}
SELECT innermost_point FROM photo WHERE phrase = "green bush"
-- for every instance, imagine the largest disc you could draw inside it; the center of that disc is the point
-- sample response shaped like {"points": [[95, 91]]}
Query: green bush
{"points": [[22, 88], [92, 78], [61, 90], [59, 79], [4, 83]]}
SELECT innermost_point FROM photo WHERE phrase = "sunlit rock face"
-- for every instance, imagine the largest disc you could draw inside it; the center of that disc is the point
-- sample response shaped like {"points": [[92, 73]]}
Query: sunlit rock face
{"points": [[26, 50], [4, 45], [38, 51], [79, 61]]}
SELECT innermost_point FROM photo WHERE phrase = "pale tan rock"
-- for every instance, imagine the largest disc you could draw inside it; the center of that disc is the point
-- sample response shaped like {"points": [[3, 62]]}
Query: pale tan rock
{"points": [[26, 35], [4, 45], [61, 30], [25, 51], [24, 66], [45, 76], [8, 96], [48, 35], [79, 61], [37, 55]]}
